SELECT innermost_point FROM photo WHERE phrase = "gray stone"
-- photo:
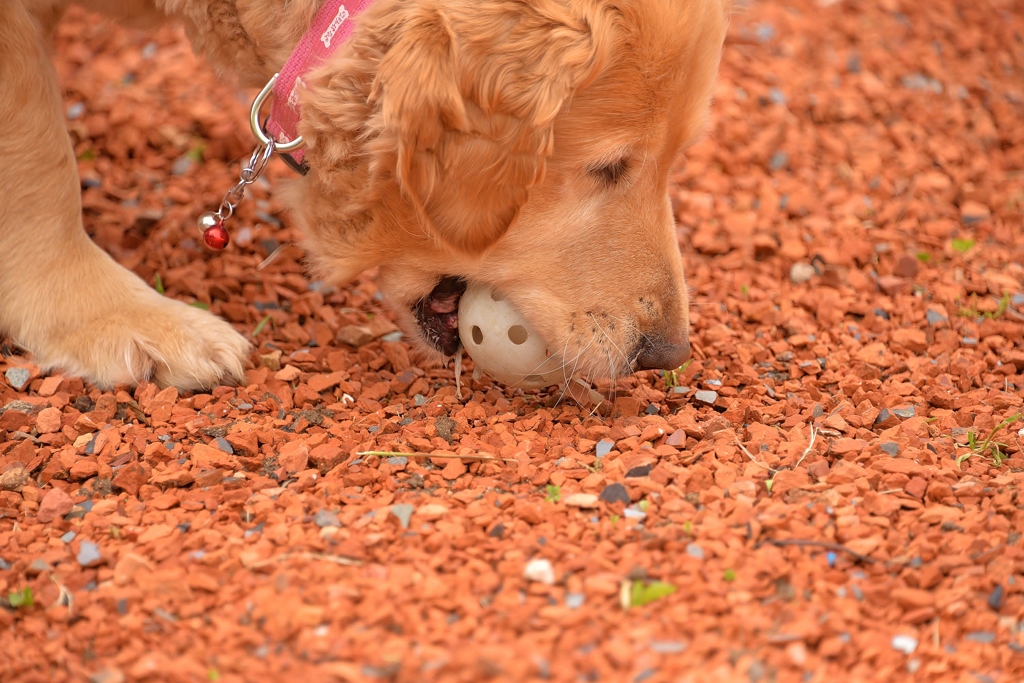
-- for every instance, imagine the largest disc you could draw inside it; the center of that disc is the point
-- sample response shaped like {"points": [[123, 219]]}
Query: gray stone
{"points": [[19, 406], [89, 554], [934, 317], [706, 396], [403, 511], [604, 447], [398, 461], [995, 598], [765, 32], [39, 566], [983, 637], [891, 447], [17, 377], [667, 647], [575, 600], [181, 165], [757, 671], [107, 676], [694, 550], [904, 412], [68, 537], [222, 443], [918, 81], [615, 493], [639, 471], [324, 518]]}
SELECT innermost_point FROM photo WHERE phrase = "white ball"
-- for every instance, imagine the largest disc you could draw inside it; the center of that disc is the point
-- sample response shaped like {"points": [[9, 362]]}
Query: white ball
{"points": [[502, 343]]}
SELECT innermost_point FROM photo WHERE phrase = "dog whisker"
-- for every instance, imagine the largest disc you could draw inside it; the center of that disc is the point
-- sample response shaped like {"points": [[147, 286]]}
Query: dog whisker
{"points": [[604, 333], [596, 405], [575, 364], [614, 377], [608, 337], [565, 348]]}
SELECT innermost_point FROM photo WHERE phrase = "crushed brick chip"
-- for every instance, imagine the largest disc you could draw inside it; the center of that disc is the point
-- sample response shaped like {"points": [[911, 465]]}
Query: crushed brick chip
{"points": [[830, 487]]}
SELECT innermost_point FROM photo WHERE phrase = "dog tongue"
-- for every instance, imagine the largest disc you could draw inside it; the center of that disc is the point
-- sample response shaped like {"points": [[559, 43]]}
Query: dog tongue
{"points": [[445, 296], [444, 304], [438, 314]]}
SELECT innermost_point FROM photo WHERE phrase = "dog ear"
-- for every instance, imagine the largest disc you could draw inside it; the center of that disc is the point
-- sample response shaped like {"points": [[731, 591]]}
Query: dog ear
{"points": [[468, 91]]}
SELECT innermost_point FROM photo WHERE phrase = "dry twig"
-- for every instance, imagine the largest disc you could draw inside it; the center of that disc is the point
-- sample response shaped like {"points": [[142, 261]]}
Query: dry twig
{"points": [[336, 559], [449, 456], [754, 459], [814, 435]]}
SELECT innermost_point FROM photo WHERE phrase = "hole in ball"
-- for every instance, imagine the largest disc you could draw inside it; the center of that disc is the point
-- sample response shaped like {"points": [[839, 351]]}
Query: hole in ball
{"points": [[478, 335], [497, 296], [518, 334]]}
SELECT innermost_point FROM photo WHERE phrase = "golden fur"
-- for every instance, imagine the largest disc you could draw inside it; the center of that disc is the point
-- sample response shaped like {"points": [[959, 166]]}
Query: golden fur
{"points": [[525, 144]]}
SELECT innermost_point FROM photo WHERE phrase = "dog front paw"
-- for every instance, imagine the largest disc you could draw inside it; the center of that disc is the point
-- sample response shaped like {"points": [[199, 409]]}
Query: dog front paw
{"points": [[150, 338]]}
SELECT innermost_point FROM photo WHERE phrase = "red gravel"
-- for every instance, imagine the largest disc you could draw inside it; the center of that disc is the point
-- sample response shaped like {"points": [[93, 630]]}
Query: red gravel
{"points": [[853, 233]]}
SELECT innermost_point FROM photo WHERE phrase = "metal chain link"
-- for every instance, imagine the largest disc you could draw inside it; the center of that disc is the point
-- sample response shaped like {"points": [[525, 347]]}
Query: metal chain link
{"points": [[248, 175]]}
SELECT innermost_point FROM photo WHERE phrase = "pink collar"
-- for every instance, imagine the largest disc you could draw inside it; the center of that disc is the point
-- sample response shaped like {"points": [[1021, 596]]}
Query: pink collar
{"points": [[332, 25], [331, 28]]}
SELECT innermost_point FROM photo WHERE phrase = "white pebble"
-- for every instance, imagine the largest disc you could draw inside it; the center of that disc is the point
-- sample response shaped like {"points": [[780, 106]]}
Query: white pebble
{"points": [[539, 571], [581, 500], [905, 644], [801, 272]]}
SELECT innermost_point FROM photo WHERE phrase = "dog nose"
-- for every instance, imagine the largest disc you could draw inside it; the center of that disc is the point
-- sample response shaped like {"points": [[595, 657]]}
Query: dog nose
{"points": [[663, 354]]}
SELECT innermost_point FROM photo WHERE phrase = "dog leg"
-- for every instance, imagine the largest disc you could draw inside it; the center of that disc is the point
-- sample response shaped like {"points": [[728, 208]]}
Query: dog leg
{"points": [[61, 296]]}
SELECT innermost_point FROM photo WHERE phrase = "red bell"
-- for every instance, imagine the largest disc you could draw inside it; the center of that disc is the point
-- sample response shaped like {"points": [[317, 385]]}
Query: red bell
{"points": [[216, 237]]}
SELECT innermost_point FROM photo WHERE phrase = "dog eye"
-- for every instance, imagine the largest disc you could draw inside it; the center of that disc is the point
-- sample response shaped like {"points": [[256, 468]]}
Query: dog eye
{"points": [[611, 173]]}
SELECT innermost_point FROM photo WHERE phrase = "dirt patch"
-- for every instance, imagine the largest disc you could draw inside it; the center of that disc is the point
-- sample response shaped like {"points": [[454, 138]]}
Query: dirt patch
{"points": [[828, 491]]}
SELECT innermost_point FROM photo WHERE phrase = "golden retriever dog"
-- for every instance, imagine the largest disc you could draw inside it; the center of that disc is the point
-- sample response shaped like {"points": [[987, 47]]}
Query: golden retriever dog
{"points": [[522, 144]]}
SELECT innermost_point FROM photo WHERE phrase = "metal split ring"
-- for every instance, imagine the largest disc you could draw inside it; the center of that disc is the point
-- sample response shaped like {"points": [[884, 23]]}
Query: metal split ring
{"points": [[257, 128], [258, 161]]}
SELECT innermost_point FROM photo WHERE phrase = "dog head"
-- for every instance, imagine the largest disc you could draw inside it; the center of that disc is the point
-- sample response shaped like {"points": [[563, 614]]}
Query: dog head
{"points": [[522, 144]]}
